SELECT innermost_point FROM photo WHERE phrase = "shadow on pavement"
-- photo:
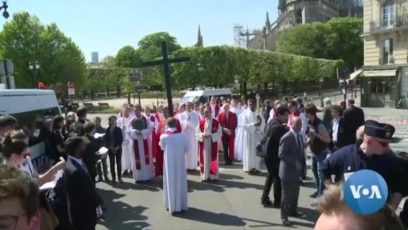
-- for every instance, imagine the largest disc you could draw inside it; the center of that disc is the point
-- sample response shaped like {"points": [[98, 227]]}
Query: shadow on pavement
{"points": [[154, 185], [122, 216], [221, 219], [308, 214], [200, 186], [225, 181]]}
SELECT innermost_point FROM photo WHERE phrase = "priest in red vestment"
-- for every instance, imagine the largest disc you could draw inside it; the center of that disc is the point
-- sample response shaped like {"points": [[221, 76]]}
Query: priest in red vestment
{"points": [[208, 134], [160, 130], [228, 121], [139, 133]]}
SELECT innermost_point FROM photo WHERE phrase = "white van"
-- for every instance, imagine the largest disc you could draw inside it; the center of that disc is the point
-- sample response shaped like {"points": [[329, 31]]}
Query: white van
{"points": [[28, 106], [205, 95]]}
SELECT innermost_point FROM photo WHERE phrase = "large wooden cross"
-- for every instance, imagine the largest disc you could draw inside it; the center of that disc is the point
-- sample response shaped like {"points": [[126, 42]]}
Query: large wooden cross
{"points": [[167, 76]]}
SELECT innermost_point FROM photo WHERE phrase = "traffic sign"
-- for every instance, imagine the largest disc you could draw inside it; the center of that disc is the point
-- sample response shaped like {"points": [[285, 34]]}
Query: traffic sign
{"points": [[71, 88]]}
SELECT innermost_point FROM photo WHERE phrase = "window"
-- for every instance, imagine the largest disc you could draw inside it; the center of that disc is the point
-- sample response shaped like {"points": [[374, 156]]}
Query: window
{"points": [[387, 12], [387, 50]]}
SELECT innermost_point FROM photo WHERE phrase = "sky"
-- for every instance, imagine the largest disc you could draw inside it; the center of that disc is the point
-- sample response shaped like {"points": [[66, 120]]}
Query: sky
{"points": [[106, 26]]}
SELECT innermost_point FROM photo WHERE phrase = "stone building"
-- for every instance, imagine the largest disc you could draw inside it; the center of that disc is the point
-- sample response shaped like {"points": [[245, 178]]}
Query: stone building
{"points": [[384, 76], [297, 12]]}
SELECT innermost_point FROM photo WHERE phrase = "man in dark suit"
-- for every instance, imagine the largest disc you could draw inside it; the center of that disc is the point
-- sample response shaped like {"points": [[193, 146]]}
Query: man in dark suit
{"points": [[353, 119], [82, 200], [90, 157], [275, 129], [113, 140], [337, 128], [291, 154]]}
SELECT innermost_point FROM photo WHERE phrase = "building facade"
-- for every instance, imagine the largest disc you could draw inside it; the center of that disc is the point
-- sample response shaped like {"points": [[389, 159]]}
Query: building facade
{"points": [[94, 57], [297, 12], [384, 77]]}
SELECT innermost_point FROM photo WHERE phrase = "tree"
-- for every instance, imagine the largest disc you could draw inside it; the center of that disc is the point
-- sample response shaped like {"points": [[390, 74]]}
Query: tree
{"points": [[108, 62], [24, 39], [149, 47], [222, 63], [339, 38], [127, 57], [344, 42]]}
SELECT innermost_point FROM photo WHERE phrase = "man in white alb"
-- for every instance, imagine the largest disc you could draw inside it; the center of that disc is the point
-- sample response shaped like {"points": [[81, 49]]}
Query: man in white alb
{"points": [[189, 121], [123, 122], [253, 131], [175, 146]]}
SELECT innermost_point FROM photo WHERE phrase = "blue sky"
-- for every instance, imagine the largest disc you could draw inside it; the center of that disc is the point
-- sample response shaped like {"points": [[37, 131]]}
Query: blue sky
{"points": [[105, 26]]}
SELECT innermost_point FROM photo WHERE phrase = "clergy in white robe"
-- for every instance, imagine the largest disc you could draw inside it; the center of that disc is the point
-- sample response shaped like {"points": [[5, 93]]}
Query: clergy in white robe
{"points": [[189, 121], [123, 122], [208, 133], [253, 131], [153, 138], [174, 146], [143, 169], [239, 132]]}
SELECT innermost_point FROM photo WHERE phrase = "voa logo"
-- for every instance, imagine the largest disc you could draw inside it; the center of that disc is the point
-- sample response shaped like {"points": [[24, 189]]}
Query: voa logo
{"points": [[365, 192], [370, 193]]}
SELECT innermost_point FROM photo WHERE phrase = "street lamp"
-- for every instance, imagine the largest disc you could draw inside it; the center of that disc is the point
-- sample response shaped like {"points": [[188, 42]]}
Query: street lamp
{"points": [[4, 8], [200, 69], [35, 67], [321, 80]]}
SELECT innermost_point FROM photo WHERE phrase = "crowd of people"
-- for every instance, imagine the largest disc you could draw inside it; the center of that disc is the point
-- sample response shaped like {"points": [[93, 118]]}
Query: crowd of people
{"points": [[144, 143]]}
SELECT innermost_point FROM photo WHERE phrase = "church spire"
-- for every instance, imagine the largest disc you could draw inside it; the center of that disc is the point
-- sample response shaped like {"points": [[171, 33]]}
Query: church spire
{"points": [[268, 22], [199, 38]]}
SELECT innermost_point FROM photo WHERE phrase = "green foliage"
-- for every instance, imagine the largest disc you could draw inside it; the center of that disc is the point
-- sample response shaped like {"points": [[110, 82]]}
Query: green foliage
{"points": [[149, 47], [222, 63], [24, 39], [127, 57], [100, 78], [339, 38]]}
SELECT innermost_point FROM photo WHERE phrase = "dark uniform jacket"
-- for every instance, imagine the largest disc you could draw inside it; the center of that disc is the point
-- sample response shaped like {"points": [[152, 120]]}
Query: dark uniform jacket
{"points": [[353, 119], [350, 159]]}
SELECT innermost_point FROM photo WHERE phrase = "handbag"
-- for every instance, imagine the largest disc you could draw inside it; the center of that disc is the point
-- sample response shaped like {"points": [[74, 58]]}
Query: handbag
{"points": [[261, 149]]}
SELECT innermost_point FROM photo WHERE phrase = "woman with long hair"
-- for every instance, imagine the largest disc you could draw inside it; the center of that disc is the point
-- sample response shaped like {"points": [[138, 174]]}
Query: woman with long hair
{"points": [[57, 139], [17, 154]]}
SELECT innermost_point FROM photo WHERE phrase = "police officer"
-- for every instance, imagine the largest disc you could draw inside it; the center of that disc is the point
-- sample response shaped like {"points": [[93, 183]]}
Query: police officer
{"points": [[371, 152]]}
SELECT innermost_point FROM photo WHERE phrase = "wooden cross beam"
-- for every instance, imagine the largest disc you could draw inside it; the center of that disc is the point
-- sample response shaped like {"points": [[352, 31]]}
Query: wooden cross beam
{"points": [[167, 76]]}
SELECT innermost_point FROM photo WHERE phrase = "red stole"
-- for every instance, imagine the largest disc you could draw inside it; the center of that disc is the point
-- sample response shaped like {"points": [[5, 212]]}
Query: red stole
{"points": [[145, 147], [214, 148], [293, 115], [155, 138], [159, 152], [232, 125]]}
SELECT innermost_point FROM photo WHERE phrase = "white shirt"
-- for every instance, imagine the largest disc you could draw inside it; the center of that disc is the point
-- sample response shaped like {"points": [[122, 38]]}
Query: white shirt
{"points": [[335, 128], [79, 161]]}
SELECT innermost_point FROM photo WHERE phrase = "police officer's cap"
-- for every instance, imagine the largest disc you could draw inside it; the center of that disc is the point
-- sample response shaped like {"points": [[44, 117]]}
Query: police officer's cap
{"points": [[389, 128], [376, 129]]}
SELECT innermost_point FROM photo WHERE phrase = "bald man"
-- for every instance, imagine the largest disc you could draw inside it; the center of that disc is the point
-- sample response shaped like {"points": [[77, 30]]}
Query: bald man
{"points": [[291, 155]]}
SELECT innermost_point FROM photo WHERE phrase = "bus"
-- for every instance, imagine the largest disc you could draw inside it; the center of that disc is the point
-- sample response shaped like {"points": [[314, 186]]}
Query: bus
{"points": [[29, 106]]}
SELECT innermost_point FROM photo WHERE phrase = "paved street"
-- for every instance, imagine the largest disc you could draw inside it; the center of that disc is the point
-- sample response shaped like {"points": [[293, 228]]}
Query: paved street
{"points": [[232, 203]]}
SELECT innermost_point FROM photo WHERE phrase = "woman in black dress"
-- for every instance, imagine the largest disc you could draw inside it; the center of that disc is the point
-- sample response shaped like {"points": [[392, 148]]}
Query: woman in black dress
{"points": [[57, 139]]}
